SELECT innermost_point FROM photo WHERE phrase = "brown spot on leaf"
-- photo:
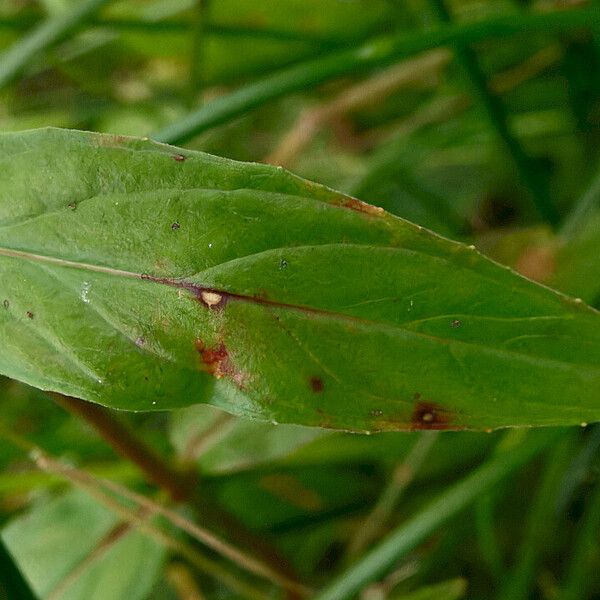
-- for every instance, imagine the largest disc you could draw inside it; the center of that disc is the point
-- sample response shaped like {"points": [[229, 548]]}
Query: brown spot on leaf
{"points": [[30, 315], [215, 359], [428, 415], [175, 226], [6, 304], [360, 206], [178, 157], [456, 323], [316, 384], [72, 205], [217, 362], [376, 412]]}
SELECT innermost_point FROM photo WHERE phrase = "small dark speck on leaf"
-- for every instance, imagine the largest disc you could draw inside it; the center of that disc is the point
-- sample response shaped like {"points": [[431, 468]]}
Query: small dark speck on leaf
{"points": [[72, 205], [376, 413], [283, 264], [316, 384], [140, 341], [178, 157], [456, 323], [30, 314], [175, 226], [6, 304]]}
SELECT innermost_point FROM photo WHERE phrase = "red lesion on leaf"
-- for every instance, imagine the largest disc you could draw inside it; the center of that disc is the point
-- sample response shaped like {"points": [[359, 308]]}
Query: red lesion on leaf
{"points": [[429, 415], [215, 359], [217, 362], [360, 206]]}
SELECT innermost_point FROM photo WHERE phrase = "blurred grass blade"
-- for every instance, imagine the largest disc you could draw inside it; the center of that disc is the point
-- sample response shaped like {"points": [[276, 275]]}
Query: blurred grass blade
{"points": [[498, 118], [453, 589], [400, 478], [583, 555], [583, 209], [487, 537], [12, 584], [519, 581], [376, 52], [43, 36], [419, 527]]}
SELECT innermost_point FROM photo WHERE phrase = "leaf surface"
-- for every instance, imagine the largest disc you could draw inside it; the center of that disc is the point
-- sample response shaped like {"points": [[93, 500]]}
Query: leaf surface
{"points": [[147, 277], [51, 548]]}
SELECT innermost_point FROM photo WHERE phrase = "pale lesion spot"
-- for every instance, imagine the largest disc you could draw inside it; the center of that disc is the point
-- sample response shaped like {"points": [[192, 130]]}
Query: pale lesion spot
{"points": [[210, 298]]}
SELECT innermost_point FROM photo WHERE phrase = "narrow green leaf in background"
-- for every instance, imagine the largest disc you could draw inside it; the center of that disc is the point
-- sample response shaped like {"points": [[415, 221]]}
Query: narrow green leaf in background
{"points": [[145, 277], [452, 589], [449, 503], [17, 58]]}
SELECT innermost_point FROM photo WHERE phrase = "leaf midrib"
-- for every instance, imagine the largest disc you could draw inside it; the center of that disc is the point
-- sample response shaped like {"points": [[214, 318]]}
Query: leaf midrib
{"points": [[196, 289]]}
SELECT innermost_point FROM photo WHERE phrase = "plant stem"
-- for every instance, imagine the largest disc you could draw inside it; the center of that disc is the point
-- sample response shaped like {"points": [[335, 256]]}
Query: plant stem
{"points": [[378, 51], [139, 520], [400, 479], [43, 36], [122, 439], [450, 502], [364, 93], [498, 118], [180, 486], [206, 537]]}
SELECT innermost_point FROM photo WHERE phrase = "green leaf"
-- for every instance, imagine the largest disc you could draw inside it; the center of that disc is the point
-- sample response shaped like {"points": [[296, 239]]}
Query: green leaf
{"points": [[12, 583], [143, 277], [577, 264], [54, 539]]}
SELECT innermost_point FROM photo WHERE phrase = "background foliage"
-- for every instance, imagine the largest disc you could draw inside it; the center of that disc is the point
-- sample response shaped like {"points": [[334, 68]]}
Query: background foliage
{"points": [[479, 120]]}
